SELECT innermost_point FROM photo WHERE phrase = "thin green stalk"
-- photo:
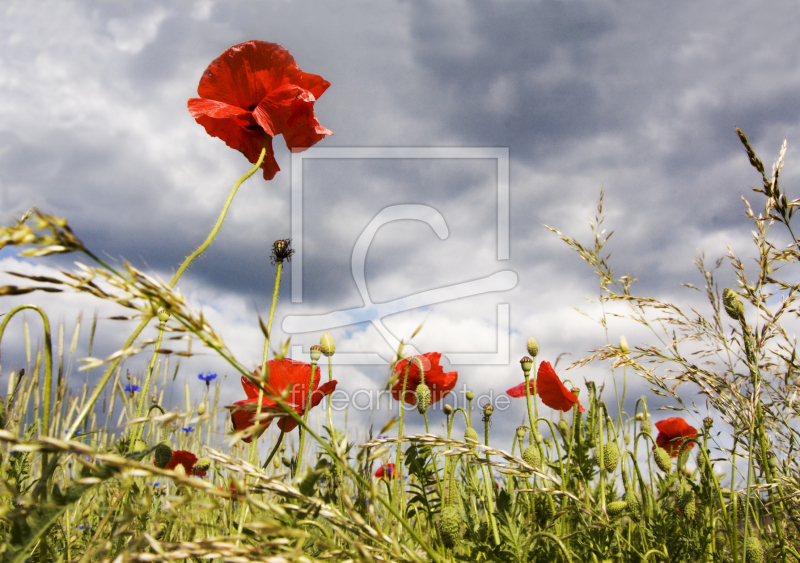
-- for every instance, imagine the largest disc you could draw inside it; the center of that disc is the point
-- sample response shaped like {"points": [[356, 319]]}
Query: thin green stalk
{"points": [[275, 449], [330, 378], [527, 374], [299, 460], [490, 504], [398, 469], [107, 375]]}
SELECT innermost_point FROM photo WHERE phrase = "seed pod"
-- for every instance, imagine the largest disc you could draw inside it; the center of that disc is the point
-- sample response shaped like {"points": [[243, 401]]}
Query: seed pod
{"points": [[423, 396], [634, 505], [315, 352], [162, 455], [610, 456], [203, 464], [526, 364], [662, 459], [470, 434], [754, 550], [449, 526], [733, 304], [532, 457], [448, 410], [616, 508]]}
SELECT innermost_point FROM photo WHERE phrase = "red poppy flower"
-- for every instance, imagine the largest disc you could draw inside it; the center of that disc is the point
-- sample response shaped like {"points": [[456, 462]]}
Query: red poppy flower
{"points": [[255, 91], [672, 433], [186, 459], [386, 471], [287, 378], [439, 382], [551, 391]]}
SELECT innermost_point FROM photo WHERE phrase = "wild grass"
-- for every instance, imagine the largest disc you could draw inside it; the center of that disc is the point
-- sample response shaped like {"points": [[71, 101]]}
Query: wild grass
{"points": [[583, 488]]}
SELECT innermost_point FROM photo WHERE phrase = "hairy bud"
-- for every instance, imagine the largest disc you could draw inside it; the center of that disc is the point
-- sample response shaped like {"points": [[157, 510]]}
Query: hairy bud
{"points": [[532, 457], [533, 347], [449, 527], [616, 508], [662, 459], [327, 345], [162, 455], [423, 395], [610, 456]]}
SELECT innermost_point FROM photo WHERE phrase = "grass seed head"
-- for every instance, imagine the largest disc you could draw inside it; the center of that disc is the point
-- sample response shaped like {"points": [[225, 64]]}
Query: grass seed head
{"points": [[733, 304]]}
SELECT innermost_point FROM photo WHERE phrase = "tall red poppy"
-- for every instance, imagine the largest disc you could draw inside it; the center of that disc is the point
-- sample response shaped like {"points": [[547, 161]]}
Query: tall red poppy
{"points": [[551, 391], [255, 91], [439, 382], [186, 459], [672, 433], [288, 379], [385, 471]]}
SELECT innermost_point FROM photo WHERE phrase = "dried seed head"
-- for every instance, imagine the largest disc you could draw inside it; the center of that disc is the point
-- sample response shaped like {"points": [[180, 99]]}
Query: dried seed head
{"points": [[315, 353], [521, 430], [327, 345], [488, 409], [708, 422], [162, 455], [663, 460], [527, 364], [281, 251], [616, 508], [449, 527], [754, 550], [423, 396], [533, 347], [180, 470], [532, 457], [733, 304], [623, 344]]}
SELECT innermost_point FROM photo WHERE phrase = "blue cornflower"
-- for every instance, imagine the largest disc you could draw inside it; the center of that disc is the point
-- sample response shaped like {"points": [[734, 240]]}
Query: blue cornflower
{"points": [[131, 388], [84, 527], [187, 429], [208, 377]]}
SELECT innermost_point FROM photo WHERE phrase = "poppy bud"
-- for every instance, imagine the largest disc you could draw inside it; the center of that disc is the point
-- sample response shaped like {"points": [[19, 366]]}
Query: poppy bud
{"points": [[162, 315], [470, 434], [470, 395], [772, 461], [563, 427], [162, 455], [532, 457], [527, 364], [201, 409], [448, 409], [423, 395], [753, 549], [327, 345], [663, 460], [733, 304], [449, 527], [623, 344], [646, 426], [538, 437], [315, 353], [276, 463], [685, 501], [634, 504], [616, 508], [140, 446], [521, 431], [610, 456], [203, 464], [533, 347], [627, 439]]}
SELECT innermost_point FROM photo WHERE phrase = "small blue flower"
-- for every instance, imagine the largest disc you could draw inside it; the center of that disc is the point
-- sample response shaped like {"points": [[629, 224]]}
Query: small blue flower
{"points": [[188, 429], [133, 388], [208, 377], [85, 527]]}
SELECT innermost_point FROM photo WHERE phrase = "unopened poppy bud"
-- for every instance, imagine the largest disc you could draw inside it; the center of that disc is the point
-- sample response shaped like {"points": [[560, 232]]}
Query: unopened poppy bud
{"points": [[663, 460], [538, 438], [616, 508], [772, 461], [627, 439], [533, 347], [470, 434], [488, 409], [634, 505], [162, 315], [203, 464], [315, 353], [685, 501], [646, 426], [423, 396], [327, 345], [201, 409], [470, 395], [563, 427], [532, 457], [733, 304], [449, 527], [521, 430], [281, 250], [623, 344], [140, 446], [162, 455], [527, 364], [448, 409], [610, 456], [753, 549]]}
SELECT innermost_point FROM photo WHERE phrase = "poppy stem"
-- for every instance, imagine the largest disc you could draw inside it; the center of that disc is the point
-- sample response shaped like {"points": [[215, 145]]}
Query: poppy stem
{"points": [[98, 390], [310, 392], [330, 378], [531, 419], [274, 450], [398, 468]]}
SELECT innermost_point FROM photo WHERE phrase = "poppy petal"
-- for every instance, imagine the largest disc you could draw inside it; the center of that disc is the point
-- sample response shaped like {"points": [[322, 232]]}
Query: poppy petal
{"points": [[519, 390], [552, 392]]}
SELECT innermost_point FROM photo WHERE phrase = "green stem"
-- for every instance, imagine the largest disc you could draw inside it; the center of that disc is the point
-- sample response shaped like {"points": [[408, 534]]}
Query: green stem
{"points": [[299, 461], [528, 402], [490, 503], [330, 378], [274, 450], [398, 469], [98, 390]]}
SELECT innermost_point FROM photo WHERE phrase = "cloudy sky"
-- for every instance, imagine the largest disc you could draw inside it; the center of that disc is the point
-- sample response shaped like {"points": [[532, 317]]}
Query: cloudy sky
{"points": [[638, 99]]}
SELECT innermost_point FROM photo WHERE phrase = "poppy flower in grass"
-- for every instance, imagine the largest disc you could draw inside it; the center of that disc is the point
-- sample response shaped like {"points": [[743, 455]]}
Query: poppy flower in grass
{"points": [[288, 379], [187, 460], [439, 382], [672, 433], [551, 391], [255, 91], [385, 471]]}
